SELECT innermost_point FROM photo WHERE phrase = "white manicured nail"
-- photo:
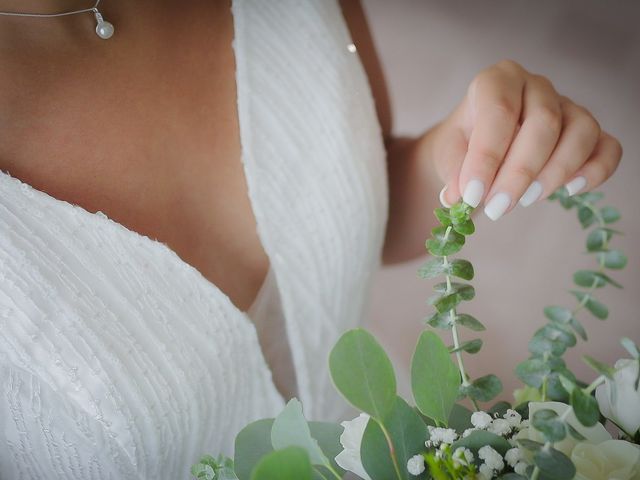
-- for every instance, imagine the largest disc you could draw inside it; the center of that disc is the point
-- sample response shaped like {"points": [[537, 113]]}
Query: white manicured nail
{"points": [[532, 194], [497, 205], [473, 192], [442, 199], [575, 185]]}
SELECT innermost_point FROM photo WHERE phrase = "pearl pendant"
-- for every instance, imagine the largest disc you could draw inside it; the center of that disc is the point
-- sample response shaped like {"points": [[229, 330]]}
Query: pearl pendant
{"points": [[104, 29]]}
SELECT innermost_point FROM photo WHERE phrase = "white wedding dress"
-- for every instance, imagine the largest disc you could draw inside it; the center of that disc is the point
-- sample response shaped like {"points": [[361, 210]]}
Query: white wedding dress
{"points": [[118, 360]]}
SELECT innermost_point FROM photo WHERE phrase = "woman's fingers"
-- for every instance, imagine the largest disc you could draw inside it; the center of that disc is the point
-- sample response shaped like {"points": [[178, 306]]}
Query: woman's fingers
{"points": [[494, 105], [603, 162], [529, 151], [579, 137]]}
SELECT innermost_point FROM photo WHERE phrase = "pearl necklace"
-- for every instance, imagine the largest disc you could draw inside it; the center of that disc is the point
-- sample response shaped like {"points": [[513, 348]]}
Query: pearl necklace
{"points": [[104, 29]]}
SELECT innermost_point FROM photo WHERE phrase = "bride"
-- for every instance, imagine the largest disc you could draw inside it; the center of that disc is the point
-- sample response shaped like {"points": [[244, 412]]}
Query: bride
{"points": [[191, 212]]}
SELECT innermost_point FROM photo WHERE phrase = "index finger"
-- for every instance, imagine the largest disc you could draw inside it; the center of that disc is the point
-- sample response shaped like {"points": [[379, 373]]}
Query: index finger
{"points": [[495, 102]]}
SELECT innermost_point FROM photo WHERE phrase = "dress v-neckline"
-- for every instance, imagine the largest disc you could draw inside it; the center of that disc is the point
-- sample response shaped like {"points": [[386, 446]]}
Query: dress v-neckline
{"points": [[134, 235]]}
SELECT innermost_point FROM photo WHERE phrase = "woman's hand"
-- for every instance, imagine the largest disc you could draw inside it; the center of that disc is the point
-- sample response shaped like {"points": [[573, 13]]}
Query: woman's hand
{"points": [[514, 138]]}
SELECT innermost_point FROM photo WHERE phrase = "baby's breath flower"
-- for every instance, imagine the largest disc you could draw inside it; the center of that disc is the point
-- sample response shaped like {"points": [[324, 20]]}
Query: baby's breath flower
{"points": [[499, 426], [415, 465], [441, 435], [491, 457], [513, 456], [513, 417], [481, 419], [468, 432], [486, 472]]}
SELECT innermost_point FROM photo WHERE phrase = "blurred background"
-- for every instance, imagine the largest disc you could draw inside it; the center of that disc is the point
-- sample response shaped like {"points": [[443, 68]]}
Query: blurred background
{"points": [[590, 50]]}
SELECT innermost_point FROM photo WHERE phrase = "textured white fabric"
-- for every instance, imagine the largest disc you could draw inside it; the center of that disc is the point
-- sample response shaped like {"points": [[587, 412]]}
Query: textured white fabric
{"points": [[118, 360]]}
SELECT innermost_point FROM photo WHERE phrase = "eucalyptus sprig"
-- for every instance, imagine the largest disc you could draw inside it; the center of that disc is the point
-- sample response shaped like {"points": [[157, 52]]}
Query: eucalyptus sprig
{"points": [[448, 239], [545, 368]]}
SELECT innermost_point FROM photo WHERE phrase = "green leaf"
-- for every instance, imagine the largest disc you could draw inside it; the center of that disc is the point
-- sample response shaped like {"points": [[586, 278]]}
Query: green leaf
{"points": [[461, 269], [591, 279], [551, 338], [448, 300], [591, 304], [292, 463], [434, 377], [585, 407], [205, 469], [630, 347], [554, 464], [471, 346], [575, 433], [460, 212], [586, 216], [464, 228], [432, 268], [407, 432], [610, 214], [613, 259], [442, 214], [589, 197], [547, 422], [443, 244], [440, 320], [598, 239], [363, 374], [530, 445], [252, 443], [290, 429], [328, 437], [499, 409], [578, 328], [558, 314], [483, 389], [601, 368], [533, 371], [469, 322], [479, 438], [460, 418]]}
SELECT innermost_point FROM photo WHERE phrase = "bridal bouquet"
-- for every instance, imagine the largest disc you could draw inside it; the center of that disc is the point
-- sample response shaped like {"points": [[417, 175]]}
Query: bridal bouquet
{"points": [[456, 430]]}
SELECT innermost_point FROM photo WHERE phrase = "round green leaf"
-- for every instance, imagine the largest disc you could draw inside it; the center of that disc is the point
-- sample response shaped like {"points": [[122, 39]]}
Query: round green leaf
{"points": [[461, 269], [586, 216], [469, 322], [554, 464], [434, 377], [252, 443], [465, 228], [591, 304], [363, 374], [585, 407], [598, 239], [470, 346], [443, 245], [547, 422], [440, 320], [479, 438], [434, 267], [442, 214], [610, 214], [292, 463], [483, 389], [533, 371], [613, 259], [558, 314]]}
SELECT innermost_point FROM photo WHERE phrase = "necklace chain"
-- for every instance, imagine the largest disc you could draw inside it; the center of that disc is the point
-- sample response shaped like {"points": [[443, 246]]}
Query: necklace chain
{"points": [[48, 15], [104, 29]]}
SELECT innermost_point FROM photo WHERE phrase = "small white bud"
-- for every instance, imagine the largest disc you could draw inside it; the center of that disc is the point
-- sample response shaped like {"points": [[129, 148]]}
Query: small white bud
{"points": [[481, 419], [415, 465]]}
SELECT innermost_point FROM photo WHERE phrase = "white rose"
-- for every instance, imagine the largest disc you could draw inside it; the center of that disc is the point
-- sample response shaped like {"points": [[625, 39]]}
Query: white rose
{"points": [[619, 401], [613, 459], [351, 439], [593, 435]]}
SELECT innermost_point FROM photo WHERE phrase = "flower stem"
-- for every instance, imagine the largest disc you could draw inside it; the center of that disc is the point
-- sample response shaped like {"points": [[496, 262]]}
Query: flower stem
{"points": [[392, 450]]}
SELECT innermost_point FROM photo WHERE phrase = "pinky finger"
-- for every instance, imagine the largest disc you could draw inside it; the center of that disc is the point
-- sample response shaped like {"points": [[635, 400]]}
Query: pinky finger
{"points": [[599, 167]]}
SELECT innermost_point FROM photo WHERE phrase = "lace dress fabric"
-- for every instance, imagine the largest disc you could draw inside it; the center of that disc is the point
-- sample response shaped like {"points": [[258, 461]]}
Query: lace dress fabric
{"points": [[118, 360]]}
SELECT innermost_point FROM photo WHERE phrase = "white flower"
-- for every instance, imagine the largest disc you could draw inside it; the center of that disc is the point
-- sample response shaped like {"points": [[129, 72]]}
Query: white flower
{"points": [[415, 465], [521, 468], [513, 456], [619, 401], [439, 435], [499, 427], [491, 457], [613, 459], [480, 419], [486, 472], [351, 438], [468, 432], [513, 417], [462, 456]]}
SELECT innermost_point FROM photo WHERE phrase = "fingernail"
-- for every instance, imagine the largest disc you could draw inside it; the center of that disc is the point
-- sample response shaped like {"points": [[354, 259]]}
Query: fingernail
{"points": [[575, 185], [532, 194], [473, 192], [497, 205], [442, 199]]}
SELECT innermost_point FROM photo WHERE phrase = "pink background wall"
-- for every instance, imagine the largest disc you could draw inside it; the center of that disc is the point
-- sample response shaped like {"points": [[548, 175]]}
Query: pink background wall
{"points": [[590, 49]]}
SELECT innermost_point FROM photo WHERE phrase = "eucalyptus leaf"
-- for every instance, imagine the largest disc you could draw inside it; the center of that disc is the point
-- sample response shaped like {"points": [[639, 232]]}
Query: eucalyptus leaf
{"points": [[434, 377], [363, 374], [448, 299], [470, 346], [440, 320], [483, 389], [585, 407], [499, 409], [462, 269], [546, 421], [442, 214], [530, 445], [613, 259], [328, 437], [598, 239], [407, 432], [591, 304], [464, 228], [479, 438], [601, 368], [554, 464], [533, 371], [558, 314], [290, 429], [432, 268], [443, 243], [470, 322], [586, 216], [578, 328], [610, 214], [589, 197], [460, 212], [591, 279], [291, 463], [460, 418], [252, 443]]}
